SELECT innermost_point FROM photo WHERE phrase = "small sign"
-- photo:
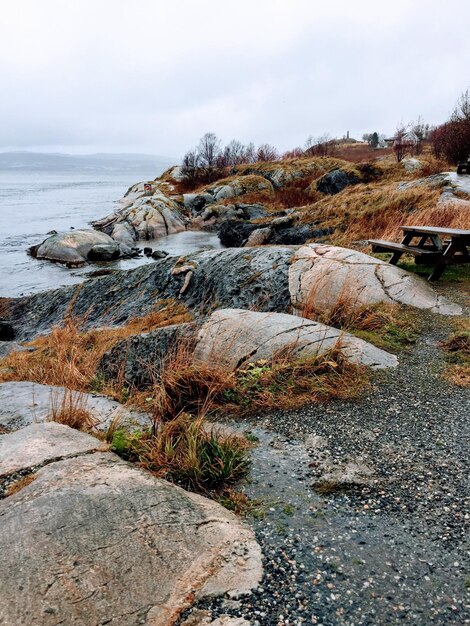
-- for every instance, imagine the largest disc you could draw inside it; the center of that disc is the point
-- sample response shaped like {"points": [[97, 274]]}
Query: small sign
{"points": [[147, 187]]}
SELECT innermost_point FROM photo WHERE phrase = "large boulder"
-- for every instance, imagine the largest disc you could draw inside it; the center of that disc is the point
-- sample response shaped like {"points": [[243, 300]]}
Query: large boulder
{"points": [[279, 231], [77, 247], [89, 539], [335, 181], [320, 276], [232, 337], [237, 186], [23, 403]]}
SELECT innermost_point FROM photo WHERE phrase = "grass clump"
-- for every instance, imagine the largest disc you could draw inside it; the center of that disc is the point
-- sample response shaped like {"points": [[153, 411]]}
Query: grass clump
{"points": [[188, 452], [70, 409]]}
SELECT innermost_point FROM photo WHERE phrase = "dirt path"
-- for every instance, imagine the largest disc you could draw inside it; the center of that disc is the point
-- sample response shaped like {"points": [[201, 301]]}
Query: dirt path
{"points": [[393, 548]]}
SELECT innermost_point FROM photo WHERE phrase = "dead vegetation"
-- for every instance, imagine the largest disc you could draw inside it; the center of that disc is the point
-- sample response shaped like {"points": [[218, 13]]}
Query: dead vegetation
{"points": [[457, 355], [69, 357], [70, 409]]}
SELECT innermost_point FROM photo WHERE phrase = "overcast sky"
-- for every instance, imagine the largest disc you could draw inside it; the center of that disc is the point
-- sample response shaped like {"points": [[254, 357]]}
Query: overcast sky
{"points": [[153, 75]]}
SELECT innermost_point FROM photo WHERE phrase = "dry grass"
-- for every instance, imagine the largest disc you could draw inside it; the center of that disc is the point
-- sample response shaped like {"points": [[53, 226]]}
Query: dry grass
{"points": [[19, 484], [70, 409], [457, 348], [68, 357], [189, 452], [391, 327]]}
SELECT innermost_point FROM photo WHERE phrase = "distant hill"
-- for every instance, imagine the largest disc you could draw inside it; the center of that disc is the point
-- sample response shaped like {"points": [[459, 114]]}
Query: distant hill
{"points": [[42, 162]]}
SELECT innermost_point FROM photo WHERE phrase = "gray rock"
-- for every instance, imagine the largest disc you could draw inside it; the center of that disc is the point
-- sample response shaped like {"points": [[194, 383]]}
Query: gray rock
{"points": [[321, 275], [104, 252], [138, 360], [124, 233], [72, 248], [7, 347], [107, 542], [335, 181], [231, 337], [242, 278], [40, 443], [23, 403]]}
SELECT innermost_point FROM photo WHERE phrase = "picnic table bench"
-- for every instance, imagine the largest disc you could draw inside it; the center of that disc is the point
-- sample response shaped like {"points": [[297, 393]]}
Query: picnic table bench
{"points": [[436, 246]]}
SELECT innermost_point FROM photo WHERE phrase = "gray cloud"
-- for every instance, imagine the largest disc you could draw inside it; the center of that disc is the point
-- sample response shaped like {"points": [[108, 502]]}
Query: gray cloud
{"points": [[152, 76]]}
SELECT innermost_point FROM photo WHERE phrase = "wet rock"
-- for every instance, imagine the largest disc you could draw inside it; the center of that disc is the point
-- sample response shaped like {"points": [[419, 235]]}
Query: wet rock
{"points": [[104, 252], [231, 337], [37, 444], [23, 403], [335, 181], [244, 278], [107, 542], [321, 275], [74, 248], [148, 251], [139, 359], [159, 254]]}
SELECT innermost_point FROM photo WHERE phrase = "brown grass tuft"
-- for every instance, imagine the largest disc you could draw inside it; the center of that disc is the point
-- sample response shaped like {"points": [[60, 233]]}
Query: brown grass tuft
{"points": [[69, 408], [19, 484]]}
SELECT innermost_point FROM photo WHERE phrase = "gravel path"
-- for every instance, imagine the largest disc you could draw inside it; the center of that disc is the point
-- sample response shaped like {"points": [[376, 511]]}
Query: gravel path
{"points": [[366, 504]]}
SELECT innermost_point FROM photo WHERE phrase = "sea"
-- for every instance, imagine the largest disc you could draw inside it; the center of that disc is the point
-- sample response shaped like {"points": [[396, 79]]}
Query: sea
{"points": [[32, 203]]}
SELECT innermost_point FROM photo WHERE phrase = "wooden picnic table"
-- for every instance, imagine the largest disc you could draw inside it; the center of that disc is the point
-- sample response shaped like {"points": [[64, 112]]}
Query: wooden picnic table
{"points": [[436, 246]]}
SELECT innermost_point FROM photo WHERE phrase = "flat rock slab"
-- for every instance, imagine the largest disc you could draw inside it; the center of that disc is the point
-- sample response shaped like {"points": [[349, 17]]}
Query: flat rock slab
{"points": [[320, 276], [232, 337], [41, 443], [94, 540], [23, 403]]}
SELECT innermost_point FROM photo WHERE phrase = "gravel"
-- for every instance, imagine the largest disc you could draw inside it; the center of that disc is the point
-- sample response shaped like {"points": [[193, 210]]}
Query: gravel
{"points": [[364, 505]]}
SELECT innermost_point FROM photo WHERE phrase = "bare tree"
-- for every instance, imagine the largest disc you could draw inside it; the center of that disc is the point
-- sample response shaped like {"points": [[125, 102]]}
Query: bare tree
{"points": [[320, 146], [401, 144], [266, 152], [190, 168], [209, 149]]}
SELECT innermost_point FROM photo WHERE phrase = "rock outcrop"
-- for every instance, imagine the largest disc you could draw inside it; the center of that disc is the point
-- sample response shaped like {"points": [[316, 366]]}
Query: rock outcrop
{"points": [[24, 403], [320, 276], [335, 181], [279, 231], [147, 217], [78, 247], [106, 542], [232, 337]]}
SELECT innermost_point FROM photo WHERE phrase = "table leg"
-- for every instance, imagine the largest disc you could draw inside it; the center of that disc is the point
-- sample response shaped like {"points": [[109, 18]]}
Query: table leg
{"points": [[396, 256], [444, 261]]}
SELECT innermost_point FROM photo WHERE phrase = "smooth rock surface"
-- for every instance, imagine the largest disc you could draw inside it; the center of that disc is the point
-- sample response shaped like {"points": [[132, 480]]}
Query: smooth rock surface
{"points": [[39, 443], [232, 337], [74, 247], [94, 540], [23, 403], [321, 275]]}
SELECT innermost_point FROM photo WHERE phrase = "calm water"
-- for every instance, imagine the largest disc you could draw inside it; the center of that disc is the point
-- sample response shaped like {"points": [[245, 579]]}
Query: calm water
{"points": [[32, 204]]}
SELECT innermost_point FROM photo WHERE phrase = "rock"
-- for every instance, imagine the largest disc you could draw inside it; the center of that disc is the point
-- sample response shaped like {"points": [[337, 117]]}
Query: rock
{"points": [[7, 347], [335, 181], [238, 186], [123, 232], [159, 254], [147, 216], [321, 275], [107, 542], [242, 278], [259, 237], [40, 443], [7, 332], [234, 233], [74, 248], [139, 359], [22, 403], [232, 337], [104, 252], [148, 251]]}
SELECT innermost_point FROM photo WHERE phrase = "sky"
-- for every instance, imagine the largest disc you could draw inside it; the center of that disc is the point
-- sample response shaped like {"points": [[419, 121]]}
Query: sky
{"points": [[151, 76]]}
